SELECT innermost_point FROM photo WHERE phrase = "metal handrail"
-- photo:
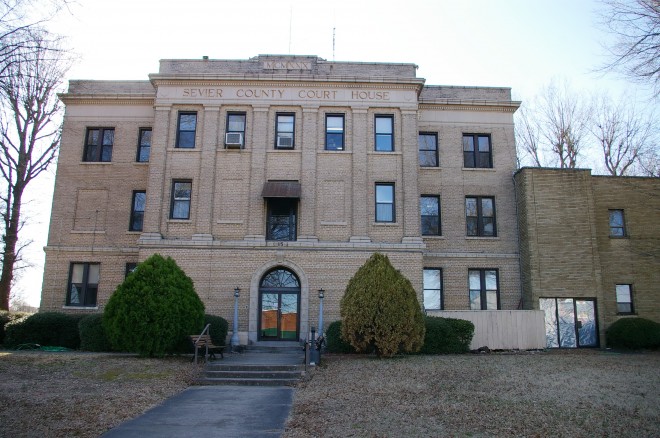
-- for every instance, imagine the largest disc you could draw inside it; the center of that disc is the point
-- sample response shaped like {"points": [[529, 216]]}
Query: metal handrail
{"points": [[206, 355]]}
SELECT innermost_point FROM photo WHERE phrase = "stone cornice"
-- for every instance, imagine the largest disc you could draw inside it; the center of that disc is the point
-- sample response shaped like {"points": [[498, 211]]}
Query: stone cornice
{"points": [[105, 99], [470, 105], [297, 82]]}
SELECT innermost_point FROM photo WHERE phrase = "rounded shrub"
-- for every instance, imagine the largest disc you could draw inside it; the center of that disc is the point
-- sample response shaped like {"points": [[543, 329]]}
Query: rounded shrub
{"points": [[447, 336], [633, 334], [51, 329], [153, 310], [92, 334], [6, 318], [380, 310], [334, 341], [218, 330]]}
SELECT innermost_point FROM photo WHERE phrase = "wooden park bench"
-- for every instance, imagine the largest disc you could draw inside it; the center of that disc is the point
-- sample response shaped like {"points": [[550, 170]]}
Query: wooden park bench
{"points": [[203, 342]]}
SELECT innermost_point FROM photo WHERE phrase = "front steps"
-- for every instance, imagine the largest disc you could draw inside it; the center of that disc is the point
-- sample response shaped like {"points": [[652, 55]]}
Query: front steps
{"points": [[261, 364]]}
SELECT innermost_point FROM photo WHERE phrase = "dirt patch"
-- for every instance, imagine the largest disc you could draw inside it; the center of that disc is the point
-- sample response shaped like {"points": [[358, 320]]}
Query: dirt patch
{"points": [[557, 393], [82, 394]]}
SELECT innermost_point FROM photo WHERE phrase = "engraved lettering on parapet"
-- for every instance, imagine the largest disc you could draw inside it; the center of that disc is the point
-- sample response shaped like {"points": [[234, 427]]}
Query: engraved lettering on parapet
{"points": [[317, 94], [370, 95], [287, 65], [202, 92], [260, 93]]}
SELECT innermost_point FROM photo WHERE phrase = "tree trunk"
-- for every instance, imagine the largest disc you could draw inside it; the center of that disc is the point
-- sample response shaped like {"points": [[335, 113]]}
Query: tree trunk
{"points": [[9, 251]]}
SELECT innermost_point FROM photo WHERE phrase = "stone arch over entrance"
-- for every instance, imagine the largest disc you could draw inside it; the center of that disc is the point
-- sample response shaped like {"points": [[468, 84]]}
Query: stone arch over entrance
{"points": [[255, 297]]}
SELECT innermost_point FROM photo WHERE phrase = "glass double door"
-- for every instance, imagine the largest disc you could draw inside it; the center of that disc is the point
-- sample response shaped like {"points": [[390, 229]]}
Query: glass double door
{"points": [[570, 322], [279, 315]]}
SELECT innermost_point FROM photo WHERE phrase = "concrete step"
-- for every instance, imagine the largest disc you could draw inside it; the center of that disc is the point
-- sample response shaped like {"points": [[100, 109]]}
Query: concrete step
{"points": [[252, 374], [247, 382], [215, 366], [274, 347]]}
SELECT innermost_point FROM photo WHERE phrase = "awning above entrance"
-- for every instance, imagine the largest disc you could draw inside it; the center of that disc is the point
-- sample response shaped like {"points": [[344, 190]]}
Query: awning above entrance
{"points": [[281, 189]]}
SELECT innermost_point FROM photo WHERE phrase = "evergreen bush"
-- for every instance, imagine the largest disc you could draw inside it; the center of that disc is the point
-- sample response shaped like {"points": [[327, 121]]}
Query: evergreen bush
{"points": [[51, 329], [6, 318], [218, 330], [447, 336], [334, 342], [380, 310], [633, 334], [153, 310], [92, 334]]}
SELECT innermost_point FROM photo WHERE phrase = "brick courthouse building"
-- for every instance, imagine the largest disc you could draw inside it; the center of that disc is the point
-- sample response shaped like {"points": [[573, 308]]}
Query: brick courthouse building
{"points": [[281, 175]]}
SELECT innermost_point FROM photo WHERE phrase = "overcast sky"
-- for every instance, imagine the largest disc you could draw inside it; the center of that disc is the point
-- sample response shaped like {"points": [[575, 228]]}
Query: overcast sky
{"points": [[522, 44]]}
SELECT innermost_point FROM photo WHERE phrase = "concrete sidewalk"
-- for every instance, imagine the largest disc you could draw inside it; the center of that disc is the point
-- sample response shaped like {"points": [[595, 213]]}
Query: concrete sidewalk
{"points": [[214, 411]]}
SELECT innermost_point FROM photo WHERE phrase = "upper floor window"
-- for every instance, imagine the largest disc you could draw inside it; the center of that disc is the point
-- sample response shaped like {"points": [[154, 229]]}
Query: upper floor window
{"points": [[137, 210], [484, 291], [186, 128], [428, 149], [624, 304], [477, 151], [235, 135], [181, 196], [617, 224], [284, 135], [83, 284], [144, 145], [430, 214], [98, 144], [334, 132], [385, 202], [130, 267], [480, 216], [433, 289], [384, 133]]}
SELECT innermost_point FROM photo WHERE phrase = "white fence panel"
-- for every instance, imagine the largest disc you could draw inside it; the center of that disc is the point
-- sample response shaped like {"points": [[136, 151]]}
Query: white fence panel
{"points": [[502, 329]]}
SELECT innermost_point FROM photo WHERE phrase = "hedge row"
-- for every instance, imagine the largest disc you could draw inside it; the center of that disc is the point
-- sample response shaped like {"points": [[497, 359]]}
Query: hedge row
{"points": [[84, 332], [633, 334], [443, 336]]}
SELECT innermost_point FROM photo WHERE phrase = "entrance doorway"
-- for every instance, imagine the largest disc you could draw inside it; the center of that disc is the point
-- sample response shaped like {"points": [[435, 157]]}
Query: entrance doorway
{"points": [[570, 322], [279, 306]]}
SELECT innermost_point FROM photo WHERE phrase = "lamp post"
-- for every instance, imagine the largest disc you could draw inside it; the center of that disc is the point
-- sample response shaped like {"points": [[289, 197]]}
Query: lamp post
{"points": [[234, 337], [321, 296]]}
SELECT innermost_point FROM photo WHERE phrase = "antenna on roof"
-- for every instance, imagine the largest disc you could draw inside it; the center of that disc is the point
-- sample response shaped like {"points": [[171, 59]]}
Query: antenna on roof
{"points": [[290, 20], [333, 43]]}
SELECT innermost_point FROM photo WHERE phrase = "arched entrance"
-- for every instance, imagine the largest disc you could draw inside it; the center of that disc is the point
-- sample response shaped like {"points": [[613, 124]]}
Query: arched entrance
{"points": [[279, 306]]}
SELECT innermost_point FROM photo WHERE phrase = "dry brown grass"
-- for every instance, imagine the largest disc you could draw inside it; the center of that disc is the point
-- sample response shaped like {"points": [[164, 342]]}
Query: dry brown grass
{"points": [[82, 394], [558, 393]]}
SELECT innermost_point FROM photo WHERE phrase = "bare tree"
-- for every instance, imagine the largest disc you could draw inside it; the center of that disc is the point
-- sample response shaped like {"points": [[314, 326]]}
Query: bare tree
{"points": [[626, 136], [635, 51], [29, 139], [528, 137], [563, 117]]}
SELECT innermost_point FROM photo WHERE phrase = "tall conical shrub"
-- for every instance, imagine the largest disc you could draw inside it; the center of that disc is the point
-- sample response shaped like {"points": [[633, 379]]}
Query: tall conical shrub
{"points": [[380, 310], [154, 309]]}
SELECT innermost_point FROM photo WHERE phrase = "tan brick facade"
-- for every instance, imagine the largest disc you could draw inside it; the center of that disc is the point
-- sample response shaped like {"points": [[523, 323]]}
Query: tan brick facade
{"points": [[224, 243], [567, 250]]}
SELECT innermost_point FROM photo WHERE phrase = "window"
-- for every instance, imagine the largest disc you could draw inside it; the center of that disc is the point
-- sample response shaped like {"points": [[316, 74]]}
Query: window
{"points": [[235, 135], [480, 216], [385, 202], [144, 145], [617, 226], [430, 212], [384, 133], [83, 284], [137, 210], [185, 134], [284, 138], [334, 132], [181, 193], [433, 289], [428, 150], [484, 292], [130, 267], [281, 221], [477, 151], [98, 144], [624, 303]]}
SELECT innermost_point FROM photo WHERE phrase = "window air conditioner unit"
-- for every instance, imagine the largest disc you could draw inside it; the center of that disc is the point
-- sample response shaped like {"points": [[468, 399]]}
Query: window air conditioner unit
{"points": [[234, 139], [284, 142]]}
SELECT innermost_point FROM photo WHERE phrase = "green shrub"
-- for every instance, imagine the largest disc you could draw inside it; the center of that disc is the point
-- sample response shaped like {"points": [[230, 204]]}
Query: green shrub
{"points": [[633, 334], [334, 342], [7, 317], [92, 334], [47, 329], [380, 310], [218, 329], [447, 336], [154, 309]]}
